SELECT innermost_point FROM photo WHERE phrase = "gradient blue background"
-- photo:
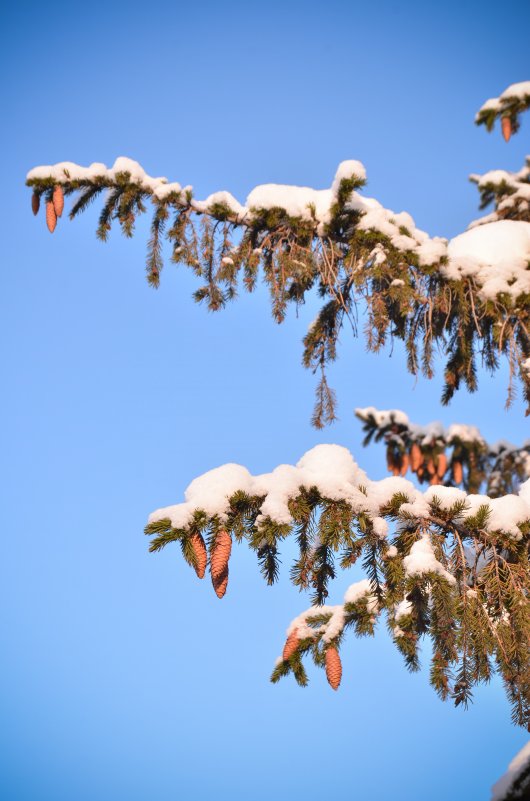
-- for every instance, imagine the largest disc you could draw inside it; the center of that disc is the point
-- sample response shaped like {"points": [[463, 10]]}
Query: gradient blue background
{"points": [[123, 678]]}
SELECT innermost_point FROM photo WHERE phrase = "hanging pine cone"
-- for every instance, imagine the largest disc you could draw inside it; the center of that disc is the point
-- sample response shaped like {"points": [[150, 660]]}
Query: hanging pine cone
{"points": [[431, 469], [35, 203], [458, 473], [221, 583], [219, 556], [506, 126], [434, 480], [199, 549], [58, 200], [416, 457], [51, 217], [291, 644], [404, 464], [441, 467], [393, 462], [333, 667]]}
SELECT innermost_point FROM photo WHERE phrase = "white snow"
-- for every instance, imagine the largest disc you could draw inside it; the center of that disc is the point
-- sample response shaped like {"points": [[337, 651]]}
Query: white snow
{"points": [[296, 200], [221, 198], [425, 434], [464, 433], [403, 608], [496, 254], [348, 169], [519, 90], [421, 560], [515, 768], [357, 591], [332, 469], [335, 624], [383, 417], [446, 496]]}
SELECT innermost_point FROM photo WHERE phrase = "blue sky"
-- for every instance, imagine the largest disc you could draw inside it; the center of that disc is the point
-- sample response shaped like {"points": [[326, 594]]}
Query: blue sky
{"points": [[123, 677]]}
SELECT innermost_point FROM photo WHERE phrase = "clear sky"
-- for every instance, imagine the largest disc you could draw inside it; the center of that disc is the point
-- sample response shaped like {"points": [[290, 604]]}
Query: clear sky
{"points": [[123, 677]]}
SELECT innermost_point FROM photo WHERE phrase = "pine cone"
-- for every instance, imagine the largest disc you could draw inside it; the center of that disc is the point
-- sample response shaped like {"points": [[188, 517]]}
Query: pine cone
{"points": [[506, 126], [58, 200], [431, 469], [393, 462], [404, 464], [199, 549], [458, 473], [291, 644], [35, 203], [221, 583], [219, 556], [51, 217], [416, 457], [333, 667], [441, 467]]}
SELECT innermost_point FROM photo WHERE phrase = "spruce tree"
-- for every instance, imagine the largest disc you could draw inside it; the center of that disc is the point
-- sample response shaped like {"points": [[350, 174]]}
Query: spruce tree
{"points": [[442, 562]]}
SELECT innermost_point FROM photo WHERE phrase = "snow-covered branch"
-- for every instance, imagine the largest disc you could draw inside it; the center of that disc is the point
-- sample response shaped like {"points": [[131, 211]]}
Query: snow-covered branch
{"points": [[507, 107], [515, 784], [454, 568], [457, 455], [509, 191], [467, 297]]}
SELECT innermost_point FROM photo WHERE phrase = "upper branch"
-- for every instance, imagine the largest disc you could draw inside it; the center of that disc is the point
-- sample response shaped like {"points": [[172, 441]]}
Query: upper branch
{"points": [[467, 297], [508, 107]]}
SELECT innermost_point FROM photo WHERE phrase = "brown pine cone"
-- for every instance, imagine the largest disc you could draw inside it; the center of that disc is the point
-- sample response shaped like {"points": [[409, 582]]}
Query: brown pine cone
{"points": [[458, 473], [434, 480], [441, 467], [58, 200], [333, 667], [35, 203], [431, 469], [199, 549], [291, 644], [506, 126], [220, 553], [220, 583], [404, 464], [219, 556], [51, 217], [416, 457]]}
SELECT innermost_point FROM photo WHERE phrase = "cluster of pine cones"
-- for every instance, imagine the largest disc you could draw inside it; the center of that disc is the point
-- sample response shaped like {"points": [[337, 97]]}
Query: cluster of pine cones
{"points": [[333, 663], [433, 468], [54, 206], [219, 556]]}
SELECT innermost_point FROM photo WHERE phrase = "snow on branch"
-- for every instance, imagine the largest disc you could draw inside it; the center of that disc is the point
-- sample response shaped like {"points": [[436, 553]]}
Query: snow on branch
{"points": [[515, 784], [510, 191], [423, 449], [508, 107], [465, 298], [454, 569]]}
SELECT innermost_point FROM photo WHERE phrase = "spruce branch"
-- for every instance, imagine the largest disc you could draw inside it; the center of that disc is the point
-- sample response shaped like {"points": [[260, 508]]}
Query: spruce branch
{"points": [[353, 252], [458, 455], [454, 571]]}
